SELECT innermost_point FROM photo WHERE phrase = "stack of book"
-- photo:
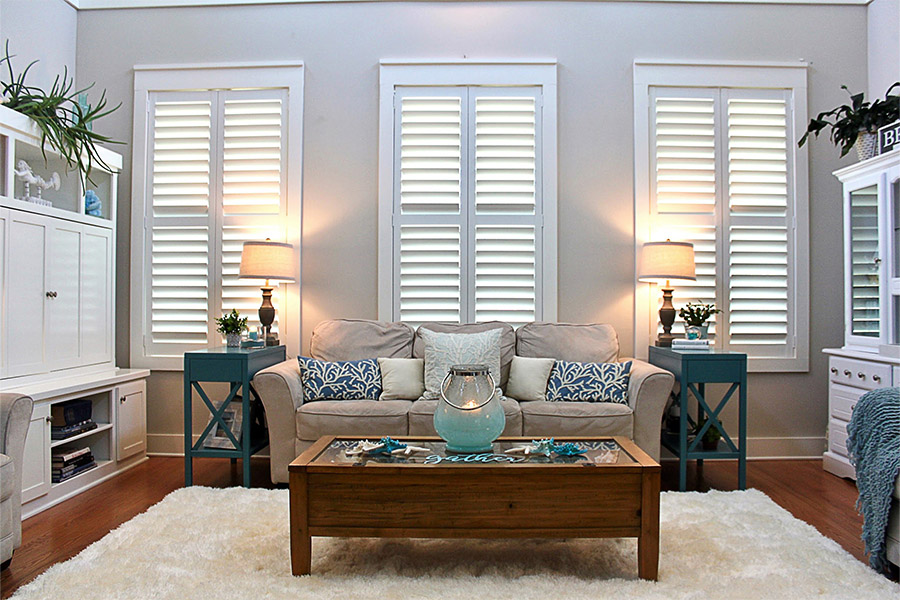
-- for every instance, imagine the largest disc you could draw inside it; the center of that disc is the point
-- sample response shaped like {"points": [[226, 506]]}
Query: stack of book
{"points": [[71, 418], [681, 344], [66, 464]]}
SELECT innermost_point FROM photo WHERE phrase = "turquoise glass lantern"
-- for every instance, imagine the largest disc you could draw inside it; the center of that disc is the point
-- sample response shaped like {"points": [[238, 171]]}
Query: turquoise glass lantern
{"points": [[469, 416]]}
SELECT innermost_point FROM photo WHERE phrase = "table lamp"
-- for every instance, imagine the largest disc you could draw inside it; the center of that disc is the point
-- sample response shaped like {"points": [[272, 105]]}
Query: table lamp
{"points": [[661, 262], [267, 260]]}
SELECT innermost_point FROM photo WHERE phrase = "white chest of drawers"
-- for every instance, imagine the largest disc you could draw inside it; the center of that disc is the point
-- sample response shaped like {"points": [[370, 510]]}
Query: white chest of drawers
{"points": [[850, 375]]}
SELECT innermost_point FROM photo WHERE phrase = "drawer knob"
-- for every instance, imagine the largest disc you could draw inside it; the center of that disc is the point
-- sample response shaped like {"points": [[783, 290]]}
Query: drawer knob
{"points": [[834, 370], [847, 372], [861, 375], [876, 378]]}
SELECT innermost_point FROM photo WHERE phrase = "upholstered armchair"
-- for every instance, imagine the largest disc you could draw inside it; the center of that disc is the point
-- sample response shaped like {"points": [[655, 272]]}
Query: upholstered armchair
{"points": [[15, 415]]}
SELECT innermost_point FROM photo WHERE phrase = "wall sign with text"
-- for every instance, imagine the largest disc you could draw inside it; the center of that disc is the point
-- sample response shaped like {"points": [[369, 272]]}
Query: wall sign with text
{"points": [[888, 137]]}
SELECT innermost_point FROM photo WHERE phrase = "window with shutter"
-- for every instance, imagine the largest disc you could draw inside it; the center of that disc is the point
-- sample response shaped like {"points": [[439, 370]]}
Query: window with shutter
{"points": [[468, 205], [721, 173], [214, 177]]}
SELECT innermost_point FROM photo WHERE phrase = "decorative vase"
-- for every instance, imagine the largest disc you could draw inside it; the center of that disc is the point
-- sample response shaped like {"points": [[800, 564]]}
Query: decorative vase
{"points": [[696, 332], [233, 340], [866, 145], [709, 444], [469, 416]]}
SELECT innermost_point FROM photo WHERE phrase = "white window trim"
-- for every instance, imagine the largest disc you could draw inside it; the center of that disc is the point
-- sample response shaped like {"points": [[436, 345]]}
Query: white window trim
{"points": [[397, 73], [722, 74], [152, 78]]}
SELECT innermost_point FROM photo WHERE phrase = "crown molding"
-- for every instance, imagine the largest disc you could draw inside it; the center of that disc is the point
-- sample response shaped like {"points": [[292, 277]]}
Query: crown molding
{"points": [[112, 4]]}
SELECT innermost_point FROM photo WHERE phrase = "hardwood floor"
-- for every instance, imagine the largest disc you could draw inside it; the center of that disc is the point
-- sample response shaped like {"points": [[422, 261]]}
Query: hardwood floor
{"points": [[800, 486]]}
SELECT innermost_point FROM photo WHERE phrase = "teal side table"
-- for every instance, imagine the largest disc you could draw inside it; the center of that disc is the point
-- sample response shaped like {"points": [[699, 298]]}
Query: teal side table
{"points": [[235, 366], [693, 369]]}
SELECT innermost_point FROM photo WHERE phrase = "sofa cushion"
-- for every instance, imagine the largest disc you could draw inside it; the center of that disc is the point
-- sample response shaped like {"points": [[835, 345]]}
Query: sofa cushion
{"points": [[557, 419], [528, 378], [339, 380], [444, 350], [507, 340], [7, 477], [421, 417], [589, 382], [402, 378], [355, 339], [365, 418], [567, 341]]}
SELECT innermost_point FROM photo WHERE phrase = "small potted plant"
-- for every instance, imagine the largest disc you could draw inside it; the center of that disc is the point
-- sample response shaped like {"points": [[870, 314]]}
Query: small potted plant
{"points": [[695, 315], [710, 440], [232, 325], [857, 123]]}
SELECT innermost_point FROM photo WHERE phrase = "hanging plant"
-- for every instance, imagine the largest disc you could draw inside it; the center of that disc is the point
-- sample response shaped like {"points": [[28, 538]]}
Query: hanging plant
{"points": [[848, 121], [64, 123]]}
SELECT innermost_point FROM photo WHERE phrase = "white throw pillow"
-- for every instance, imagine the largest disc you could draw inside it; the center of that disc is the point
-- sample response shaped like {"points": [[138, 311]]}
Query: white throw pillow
{"points": [[402, 378], [443, 350], [528, 378]]}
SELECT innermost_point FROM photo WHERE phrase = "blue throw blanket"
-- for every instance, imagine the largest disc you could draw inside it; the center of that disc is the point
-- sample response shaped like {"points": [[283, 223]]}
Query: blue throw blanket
{"points": [[874, 445]]}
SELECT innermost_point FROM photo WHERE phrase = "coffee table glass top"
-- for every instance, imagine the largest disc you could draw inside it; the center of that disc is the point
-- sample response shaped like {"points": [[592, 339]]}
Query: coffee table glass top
{"points": [[597, 452]]}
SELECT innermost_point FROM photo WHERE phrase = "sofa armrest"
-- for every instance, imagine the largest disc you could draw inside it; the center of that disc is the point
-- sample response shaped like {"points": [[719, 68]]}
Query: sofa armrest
{"points": [[15, 417], [281, 392], [648, 392]]}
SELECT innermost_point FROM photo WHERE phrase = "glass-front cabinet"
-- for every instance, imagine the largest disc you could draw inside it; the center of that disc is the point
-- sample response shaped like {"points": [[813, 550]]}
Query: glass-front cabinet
{"points": [[872, 253]]}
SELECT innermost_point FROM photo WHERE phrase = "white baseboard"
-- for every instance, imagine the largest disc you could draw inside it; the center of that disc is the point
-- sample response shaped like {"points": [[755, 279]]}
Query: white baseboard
{"points": [[172, 444], [793, 447]]}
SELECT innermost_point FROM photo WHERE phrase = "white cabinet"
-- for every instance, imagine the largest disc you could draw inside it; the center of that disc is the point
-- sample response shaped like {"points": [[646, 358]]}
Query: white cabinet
{"points": [[96, 296], [58, 271], [131, 420], [118, 407], [62, 298], [23, 322], [870, 356], [871, 252], [36, 462], [59, 312]]}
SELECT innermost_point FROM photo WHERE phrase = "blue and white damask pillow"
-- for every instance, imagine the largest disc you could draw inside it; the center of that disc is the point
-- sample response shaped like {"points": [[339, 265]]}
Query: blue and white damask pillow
{"points": [[589, 382], [340, 380]]}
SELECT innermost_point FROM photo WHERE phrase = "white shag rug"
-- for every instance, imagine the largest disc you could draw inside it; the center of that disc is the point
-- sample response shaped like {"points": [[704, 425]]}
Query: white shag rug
{"points": [[202, 543]]}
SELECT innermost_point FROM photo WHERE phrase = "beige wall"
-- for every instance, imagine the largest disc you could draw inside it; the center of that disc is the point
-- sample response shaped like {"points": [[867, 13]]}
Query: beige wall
{"points": [[595, 44], [39, 29], [884, 46]]}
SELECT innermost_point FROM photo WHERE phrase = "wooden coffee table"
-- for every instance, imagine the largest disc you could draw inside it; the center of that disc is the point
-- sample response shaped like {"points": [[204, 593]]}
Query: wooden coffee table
{"points": [[611, 491]]}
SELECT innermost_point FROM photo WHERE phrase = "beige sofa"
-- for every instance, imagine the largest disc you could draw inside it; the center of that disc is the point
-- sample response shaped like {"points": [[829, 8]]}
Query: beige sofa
{"points": [[295, 425], [15, 416]]}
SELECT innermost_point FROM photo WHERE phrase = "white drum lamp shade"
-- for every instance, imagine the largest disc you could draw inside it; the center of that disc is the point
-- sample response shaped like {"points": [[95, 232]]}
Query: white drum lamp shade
{"points": [[267, 260], [663, 261]]}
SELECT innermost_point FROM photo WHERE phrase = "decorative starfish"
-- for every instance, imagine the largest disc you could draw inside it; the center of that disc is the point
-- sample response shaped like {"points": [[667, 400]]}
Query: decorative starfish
{"points": [[409, 450], [568, 449], [542, 447]]}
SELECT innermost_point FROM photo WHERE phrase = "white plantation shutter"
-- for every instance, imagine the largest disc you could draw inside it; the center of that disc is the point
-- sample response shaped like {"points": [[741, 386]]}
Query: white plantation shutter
{"points": [[506, 213], [215, 182], [179, 222], [466, 211], [721, 178], [252, 190], [684, 187], [760, 223]]}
